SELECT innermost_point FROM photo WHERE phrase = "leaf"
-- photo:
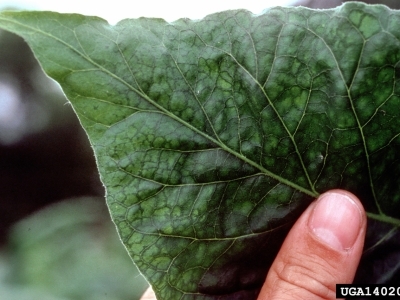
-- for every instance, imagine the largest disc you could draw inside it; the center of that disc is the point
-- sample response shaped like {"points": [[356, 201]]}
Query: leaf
{"points": [[81, 251], [212, 136]]}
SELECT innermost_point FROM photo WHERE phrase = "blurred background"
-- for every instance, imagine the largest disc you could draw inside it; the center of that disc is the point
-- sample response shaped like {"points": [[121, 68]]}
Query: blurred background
{"points": [[56, 237]]}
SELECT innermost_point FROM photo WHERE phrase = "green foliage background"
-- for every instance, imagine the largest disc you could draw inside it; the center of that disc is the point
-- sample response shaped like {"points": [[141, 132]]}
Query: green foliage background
{"points": [[69, 250]]}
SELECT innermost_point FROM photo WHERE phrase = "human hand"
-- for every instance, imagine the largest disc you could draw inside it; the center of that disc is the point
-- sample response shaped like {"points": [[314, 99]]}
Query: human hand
{"points": [[323, 248]]}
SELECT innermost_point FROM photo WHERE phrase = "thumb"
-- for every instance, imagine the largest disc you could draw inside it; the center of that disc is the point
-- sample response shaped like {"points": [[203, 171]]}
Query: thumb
{"points": [[322, 249]]}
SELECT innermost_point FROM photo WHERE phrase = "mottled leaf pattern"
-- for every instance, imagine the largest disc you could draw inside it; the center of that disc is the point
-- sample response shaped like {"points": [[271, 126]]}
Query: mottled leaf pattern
{"points": [[212, 136]]}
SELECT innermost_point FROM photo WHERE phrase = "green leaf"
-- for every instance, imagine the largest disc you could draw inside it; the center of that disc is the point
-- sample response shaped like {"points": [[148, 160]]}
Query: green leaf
{"points": [[212, 136], [77, 257]]}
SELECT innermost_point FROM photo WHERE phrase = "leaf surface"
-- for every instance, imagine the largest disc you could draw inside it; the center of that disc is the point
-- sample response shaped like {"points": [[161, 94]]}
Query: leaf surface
{"points": [[212, 136]]}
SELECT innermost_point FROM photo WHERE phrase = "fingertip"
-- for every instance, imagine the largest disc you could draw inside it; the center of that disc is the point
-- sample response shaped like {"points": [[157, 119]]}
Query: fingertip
{"points": [[149, 294], [337, 219], [323, 248]]}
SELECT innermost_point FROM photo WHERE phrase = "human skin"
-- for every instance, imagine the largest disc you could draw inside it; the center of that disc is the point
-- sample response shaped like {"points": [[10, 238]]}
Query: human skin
{"points": [[323, 248]]}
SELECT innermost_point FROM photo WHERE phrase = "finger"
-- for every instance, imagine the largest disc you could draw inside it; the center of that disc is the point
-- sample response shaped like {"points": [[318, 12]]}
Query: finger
{"points": [[149, 294], [322, 249]]}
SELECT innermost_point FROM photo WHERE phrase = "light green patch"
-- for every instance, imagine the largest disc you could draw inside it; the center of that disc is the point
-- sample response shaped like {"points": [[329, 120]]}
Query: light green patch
{"points": [[369, 26]]}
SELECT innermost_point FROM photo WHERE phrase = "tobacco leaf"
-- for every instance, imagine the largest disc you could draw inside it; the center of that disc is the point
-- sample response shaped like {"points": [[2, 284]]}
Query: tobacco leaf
{"points": [[212, 136]]}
